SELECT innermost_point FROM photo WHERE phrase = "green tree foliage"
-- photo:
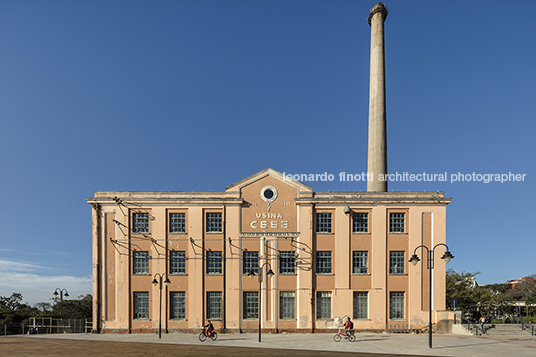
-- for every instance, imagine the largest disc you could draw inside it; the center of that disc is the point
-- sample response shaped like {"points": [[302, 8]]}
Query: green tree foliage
{"points": [[80, 308], [460, 286], [43, 307], [475, 300], [13, 310], [524, 291]]}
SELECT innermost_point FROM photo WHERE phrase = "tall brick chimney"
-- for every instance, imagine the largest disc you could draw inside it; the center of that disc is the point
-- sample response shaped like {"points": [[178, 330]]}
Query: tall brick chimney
{"points": [[377, 138]]}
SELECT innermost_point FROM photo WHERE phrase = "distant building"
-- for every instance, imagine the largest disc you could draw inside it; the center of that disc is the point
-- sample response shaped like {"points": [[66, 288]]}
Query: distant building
{"points": [[518, 281]]}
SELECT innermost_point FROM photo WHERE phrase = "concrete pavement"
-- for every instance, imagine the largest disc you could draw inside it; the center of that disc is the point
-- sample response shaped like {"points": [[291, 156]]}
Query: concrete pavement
{"points": [[391, 344]]}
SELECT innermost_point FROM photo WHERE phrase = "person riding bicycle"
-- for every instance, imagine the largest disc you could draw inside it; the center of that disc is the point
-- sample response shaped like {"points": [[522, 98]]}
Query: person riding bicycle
{"points": [[348, 326], [208, 328]]}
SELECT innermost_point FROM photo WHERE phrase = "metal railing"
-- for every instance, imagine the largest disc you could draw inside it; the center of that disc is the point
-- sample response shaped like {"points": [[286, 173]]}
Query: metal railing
{"points": [[527, 327], [52, 325], [472, 327], [399, 328], [47, 325], [14, 329]]}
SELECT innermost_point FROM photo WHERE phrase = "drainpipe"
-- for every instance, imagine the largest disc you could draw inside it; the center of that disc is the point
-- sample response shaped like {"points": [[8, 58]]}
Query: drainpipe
{"points": [[97, 249], [313, 256], [224, 314]]}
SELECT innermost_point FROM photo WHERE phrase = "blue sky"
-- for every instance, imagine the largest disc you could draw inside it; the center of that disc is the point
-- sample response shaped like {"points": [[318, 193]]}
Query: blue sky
{"points": [[196, 95]]}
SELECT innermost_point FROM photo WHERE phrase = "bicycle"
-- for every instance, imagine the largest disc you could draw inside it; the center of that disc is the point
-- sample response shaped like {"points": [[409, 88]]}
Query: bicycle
{"points": [[339, 335], [203, 336]]}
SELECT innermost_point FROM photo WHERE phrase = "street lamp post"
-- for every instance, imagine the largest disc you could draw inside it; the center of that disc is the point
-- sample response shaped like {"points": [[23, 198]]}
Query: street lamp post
{"points": [[269, 273], [61, 294], [156, 282], [430, 265]]}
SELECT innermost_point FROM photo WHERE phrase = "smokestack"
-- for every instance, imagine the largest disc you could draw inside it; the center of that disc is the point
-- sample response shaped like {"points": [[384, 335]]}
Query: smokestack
{"points": [[377, 139]]}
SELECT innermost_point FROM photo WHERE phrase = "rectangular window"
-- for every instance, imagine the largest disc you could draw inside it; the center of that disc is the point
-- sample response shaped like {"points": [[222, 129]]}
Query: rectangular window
{"points": [[141, 305], [214, 265], [323, 305], [251, 305], [287, 305], [323, 262], [396, 305], [323, 222], [287, 262], [140, 262], [177, 223], [214, 305], [177, 262], [250, 262], [360, 262], [140, 223], [177, 305], [360, 305], [214, 223], [396, 262], [396, 222], [360, 222]]}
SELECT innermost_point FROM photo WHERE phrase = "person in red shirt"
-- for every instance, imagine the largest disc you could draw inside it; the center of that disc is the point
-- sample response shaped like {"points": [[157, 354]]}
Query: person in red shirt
{"points": [[209, 328], [348, 325]]}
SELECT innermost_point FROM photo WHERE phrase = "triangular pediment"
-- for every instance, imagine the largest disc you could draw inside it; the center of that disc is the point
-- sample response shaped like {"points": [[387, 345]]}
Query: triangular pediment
{"points": [[268, 172]]}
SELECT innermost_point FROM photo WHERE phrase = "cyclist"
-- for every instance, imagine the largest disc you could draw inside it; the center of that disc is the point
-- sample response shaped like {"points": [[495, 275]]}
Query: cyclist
{"points": [[208, 328], [348, 325]]}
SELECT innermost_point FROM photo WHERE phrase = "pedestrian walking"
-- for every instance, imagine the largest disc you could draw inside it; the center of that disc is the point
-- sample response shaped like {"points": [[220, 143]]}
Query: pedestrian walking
{"points": [[482, 321]]}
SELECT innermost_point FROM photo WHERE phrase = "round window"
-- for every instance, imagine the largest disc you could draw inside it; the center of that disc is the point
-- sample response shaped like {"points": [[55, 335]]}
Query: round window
{"points": [[268, 194]]}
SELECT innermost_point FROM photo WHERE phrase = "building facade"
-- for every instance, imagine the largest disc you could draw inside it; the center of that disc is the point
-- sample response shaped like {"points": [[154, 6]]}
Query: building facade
{"points": [[332, 254]]}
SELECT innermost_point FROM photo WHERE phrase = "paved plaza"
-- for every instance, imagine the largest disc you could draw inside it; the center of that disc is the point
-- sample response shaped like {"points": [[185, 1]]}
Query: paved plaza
{"points": [[176, 344]]}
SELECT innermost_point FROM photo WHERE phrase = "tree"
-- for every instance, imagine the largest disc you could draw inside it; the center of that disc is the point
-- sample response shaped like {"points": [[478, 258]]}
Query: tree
{"points": [[12, 310], [12, 302], [43, 307], [473, 300], [80, 308], [524, 291], [460, 286]]}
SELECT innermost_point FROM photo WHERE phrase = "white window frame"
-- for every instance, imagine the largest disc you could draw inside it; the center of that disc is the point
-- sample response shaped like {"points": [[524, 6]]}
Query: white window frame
{"points": [[360, 305], [140, 262], [397, 222], [177, 305], [324, 262], [397, 305], [214, 222], [287, 305], [177, 262], [397, 262], [360, 264], [141, 305], [214, 263], [140, 223], [177, 222], [323, 305], [324, 222], [214, 305], [364, 226], [250, 303]]}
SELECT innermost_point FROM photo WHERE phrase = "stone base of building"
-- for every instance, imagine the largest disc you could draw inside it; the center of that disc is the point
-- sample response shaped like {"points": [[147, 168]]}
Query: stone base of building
{"points": [[230, 331]]}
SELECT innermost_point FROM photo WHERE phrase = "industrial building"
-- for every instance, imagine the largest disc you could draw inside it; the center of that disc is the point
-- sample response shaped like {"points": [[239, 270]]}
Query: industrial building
{"points": [[270, 252]]}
